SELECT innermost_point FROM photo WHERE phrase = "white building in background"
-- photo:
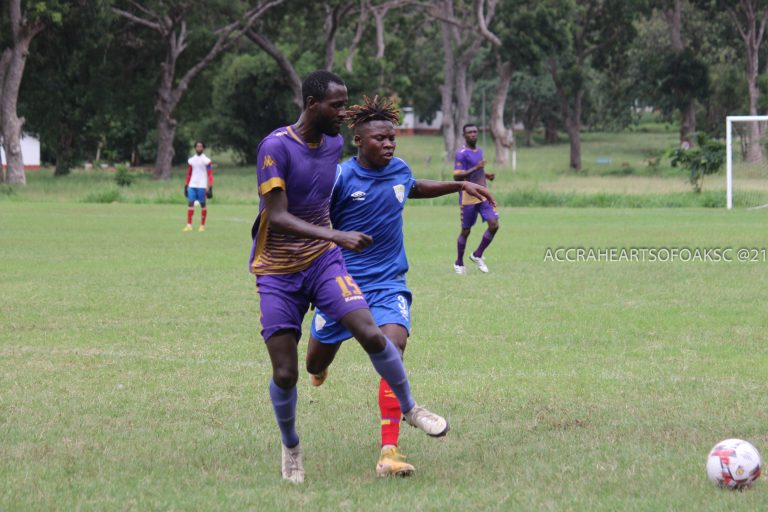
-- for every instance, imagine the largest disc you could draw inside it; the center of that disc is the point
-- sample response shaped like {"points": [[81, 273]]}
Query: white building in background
{"points": [[412, 126], [30, 152]]}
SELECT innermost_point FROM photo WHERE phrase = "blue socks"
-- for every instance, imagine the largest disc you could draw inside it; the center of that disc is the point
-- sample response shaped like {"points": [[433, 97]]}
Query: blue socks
{"points": [[284, 404], [390, 366]]}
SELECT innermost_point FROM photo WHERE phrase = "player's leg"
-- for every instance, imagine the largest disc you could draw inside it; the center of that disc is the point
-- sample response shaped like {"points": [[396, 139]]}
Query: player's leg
{"points": [[325, 337], [391, 462], [282, 309], [489, 215], [319, 358], [190, 208], [468, 218], [387, 361], [335, 293], [203, 211]]}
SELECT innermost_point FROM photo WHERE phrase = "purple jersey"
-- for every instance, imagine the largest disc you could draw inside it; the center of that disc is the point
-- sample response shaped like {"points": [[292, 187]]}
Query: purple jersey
{"points": [[306, 172], [467, 158]]}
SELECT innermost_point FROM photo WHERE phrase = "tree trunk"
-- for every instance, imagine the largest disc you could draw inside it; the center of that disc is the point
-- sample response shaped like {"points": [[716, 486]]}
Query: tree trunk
{"points": [[503, 137], [687, 123], [166, 131], [291, 75], [573, 127], [755, 149], [12, 64], [550, 131], [446, 92], [14, 160], [63, 151]]}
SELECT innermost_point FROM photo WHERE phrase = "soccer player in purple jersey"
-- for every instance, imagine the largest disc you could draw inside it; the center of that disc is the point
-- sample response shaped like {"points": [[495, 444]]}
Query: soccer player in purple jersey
{"points": [[297, 260], [470, 166]]}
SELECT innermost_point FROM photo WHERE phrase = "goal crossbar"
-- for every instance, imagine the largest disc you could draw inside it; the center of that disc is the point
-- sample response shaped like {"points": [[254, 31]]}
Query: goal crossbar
{"points": [[729, 153]]}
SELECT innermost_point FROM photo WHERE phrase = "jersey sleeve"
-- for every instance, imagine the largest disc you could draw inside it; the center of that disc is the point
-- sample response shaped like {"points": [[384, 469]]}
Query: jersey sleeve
{"points": [[272, 165], [459, 165]]}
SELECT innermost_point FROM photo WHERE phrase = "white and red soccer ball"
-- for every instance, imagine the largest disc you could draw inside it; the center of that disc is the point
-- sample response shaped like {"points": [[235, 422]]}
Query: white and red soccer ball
{"points": [[733, 464]]}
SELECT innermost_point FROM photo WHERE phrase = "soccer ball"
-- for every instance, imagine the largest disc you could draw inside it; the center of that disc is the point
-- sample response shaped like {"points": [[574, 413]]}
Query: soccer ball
{"points": [[733, 464]]}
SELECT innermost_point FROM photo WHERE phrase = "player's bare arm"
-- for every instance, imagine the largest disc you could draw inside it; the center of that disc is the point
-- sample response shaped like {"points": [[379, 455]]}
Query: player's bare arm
{"points": [[424, 189], [281, 220]]}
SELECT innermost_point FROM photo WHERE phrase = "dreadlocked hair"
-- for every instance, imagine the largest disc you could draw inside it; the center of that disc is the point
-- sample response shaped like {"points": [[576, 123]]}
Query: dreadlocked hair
{"points": [[376, 109]]}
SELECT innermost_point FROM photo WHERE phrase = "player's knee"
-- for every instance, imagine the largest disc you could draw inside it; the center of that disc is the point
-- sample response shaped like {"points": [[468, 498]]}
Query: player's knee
{"points": [[493, 229], [314, 367], [285, 377], [372, 340]]}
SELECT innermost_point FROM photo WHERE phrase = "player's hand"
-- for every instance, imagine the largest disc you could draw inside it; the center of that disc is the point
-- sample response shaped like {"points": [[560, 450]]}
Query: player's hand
{"points": [[209, 193], [478, 191], [352, 240], [186, 191], [490, 176], [480, 165]]}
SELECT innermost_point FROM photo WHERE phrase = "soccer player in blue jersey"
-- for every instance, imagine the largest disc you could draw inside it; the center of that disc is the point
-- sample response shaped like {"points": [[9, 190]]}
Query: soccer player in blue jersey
{"points": [[297, 261], [369, 195], [469, 166]]}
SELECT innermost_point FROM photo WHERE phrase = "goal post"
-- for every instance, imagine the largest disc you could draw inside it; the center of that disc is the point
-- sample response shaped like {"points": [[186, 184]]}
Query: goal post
{"points": [[729, 135]]}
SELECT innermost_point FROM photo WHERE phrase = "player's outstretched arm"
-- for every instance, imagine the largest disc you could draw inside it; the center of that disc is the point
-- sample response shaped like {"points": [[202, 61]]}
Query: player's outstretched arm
{"points": [[424, 189], [281, 220]]}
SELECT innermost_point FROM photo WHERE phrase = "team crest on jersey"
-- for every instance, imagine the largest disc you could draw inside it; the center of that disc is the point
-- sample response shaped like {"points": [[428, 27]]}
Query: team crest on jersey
{"points": [[319, 323], [399, 192], [358, 196]]}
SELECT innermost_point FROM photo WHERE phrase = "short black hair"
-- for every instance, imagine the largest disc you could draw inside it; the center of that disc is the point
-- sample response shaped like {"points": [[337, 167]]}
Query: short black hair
{"points": [[199, 142], [376, 109], [464, 128], [316, 84]]}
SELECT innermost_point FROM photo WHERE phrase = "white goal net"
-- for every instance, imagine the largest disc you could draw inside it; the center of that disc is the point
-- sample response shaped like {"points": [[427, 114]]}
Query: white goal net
{"points": [[746, 161]]}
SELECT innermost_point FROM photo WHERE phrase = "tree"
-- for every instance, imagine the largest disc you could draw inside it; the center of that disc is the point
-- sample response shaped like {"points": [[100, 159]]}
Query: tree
{"points": [[71, 54], [461, 41], [333, 13], [179, 25], [522, 33], [24, 26], [750, 18], [598, 32]]}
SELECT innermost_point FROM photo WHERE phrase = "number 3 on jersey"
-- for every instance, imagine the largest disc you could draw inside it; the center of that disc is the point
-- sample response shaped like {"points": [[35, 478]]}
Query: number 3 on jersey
{"points": [[348, 286]]}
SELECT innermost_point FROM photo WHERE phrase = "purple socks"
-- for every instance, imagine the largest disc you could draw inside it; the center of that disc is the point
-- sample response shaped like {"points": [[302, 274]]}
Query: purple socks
{"points": [[284, 404], [485, 242], [390, 366], [461, 245]]}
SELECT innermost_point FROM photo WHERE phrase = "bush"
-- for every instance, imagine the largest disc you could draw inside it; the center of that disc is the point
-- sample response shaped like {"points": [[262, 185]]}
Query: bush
{"points": [[707, 157], [123, 176], [104, 196]]}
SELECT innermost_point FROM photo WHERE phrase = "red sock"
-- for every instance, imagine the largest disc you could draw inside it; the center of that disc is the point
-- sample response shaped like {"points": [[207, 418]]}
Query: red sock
{"points": [[203, 214], [190, 214], [390, 414]]}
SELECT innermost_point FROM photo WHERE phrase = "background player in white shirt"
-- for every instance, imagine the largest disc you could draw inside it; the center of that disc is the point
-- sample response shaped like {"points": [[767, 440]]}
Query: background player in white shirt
{"points": [[199, 185]]}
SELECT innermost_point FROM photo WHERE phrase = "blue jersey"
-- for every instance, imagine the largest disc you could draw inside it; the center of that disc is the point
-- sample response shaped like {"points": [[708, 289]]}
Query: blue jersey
{"points": [[371, 201]]}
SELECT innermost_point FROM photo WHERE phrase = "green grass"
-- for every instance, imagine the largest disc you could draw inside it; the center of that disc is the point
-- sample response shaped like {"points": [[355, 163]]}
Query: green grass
{"points": [[132, 376], [634, 177]]}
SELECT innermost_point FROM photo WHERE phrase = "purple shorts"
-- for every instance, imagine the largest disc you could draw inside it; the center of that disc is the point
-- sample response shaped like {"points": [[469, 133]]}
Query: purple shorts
{"points": [[469, 213], [285, 298]]}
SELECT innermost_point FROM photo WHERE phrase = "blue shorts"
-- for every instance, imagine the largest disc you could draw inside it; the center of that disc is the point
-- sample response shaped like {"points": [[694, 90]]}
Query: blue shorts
{"points": [[390, 306], [469, 213], [196, 194]]}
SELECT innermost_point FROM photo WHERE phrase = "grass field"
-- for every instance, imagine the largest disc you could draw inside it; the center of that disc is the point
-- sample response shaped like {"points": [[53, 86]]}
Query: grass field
{"points": [[132, 376], [625, 169]]}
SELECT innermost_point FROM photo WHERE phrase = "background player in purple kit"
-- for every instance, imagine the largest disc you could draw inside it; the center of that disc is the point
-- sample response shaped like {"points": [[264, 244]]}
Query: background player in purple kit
{"points": [[369, 194], [470, 166], [296, 259]]}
